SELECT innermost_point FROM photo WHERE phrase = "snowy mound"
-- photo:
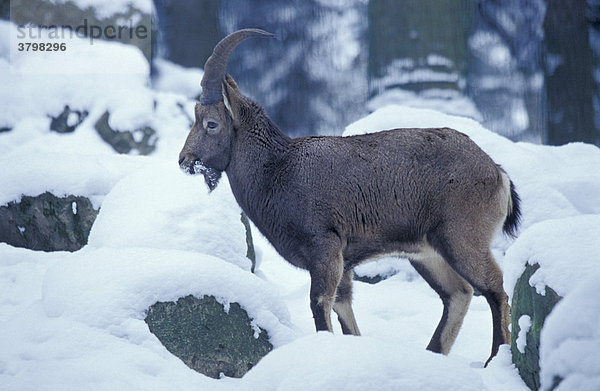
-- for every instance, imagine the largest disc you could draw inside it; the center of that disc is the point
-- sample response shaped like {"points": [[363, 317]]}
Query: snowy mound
{"points": [[63, 174], [352, 363], [108, 287], [177, 79], [104, 77], [160, 207], [566, 249], [571, 340]]}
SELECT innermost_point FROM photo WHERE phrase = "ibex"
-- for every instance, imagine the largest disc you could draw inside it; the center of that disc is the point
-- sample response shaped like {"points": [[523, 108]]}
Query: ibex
{"points": [[328, 204]]}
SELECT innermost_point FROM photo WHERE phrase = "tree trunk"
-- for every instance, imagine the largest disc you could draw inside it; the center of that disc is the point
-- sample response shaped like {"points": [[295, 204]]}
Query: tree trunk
{"points": [[190, 30], [568, 74], [418, 44]]}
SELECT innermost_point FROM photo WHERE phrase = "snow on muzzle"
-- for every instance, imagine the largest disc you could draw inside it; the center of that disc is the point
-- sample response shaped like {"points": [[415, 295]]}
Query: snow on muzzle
{"points": [[211, 176]]}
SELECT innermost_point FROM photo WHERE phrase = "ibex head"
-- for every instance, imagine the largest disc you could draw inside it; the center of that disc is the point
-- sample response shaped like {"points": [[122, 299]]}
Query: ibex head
{"points": [[207, 149]]}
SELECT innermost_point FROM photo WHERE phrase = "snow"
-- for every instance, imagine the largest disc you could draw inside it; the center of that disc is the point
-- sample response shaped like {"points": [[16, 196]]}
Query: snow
{"points": [[563, 263], [438, 60], [63, 174], [387, 267], [159, 207], [177, 79], [358, 363], [570, 340], [524, 325], [445, 101], [74, 321]]}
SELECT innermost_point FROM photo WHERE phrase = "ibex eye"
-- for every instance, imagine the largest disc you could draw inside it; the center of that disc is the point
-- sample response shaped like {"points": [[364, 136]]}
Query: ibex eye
{"points": [[211, 124]]}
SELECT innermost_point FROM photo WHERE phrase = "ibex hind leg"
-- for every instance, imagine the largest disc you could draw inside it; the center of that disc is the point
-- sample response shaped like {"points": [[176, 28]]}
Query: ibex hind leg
{"points": [[455, 293], [472, 259], [325, 275], [343, 305]]}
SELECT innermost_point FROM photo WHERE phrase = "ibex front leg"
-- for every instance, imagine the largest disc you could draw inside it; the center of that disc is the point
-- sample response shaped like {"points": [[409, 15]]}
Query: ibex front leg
{"points": [[325, 276]]}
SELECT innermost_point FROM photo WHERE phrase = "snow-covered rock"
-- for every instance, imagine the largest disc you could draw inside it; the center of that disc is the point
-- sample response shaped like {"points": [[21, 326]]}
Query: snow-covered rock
{"points": [[570, 348], [141, 140], [124, 21], [106, 77], [160, 207], [565, 249], [553, 258]]}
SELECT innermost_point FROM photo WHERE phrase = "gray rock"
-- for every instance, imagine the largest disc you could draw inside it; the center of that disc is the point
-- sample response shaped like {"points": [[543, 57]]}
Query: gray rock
{"points": [[47, 222], [526, 301], [125, 141], [206, 337], [67, 120]]}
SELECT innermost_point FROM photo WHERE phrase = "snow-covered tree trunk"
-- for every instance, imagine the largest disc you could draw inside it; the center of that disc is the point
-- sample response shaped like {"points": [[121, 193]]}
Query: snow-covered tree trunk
{"points": [[419, 46], [568, 73], [188, 30]]}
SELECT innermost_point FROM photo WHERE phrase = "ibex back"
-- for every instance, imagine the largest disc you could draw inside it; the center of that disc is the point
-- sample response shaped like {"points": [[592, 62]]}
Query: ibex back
{"points": [[328, 204]]}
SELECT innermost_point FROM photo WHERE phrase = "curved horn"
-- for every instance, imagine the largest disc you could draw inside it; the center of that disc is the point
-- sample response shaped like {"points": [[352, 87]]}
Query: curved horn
{"points": [[216, 65]]}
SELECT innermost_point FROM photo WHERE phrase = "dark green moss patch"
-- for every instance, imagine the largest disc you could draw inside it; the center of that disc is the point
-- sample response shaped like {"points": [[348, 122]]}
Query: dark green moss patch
{"points": [[250, 253]]}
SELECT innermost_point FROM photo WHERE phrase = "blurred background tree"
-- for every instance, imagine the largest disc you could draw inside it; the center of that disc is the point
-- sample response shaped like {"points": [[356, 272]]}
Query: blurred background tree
{"points": [[527, 69], [568, 73], [418, 51]]}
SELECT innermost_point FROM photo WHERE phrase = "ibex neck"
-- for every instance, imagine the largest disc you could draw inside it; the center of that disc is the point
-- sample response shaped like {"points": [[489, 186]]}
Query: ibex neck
{"points": [[268, 137], [257, 155]]}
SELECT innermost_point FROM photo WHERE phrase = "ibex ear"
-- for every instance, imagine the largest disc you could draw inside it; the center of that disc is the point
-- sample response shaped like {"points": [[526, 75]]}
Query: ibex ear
{"points": [[232, 98]]}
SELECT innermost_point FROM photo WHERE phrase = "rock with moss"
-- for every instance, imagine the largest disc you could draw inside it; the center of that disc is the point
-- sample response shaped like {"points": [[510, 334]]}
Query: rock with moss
{"points": [[526, 301], [67, 120], [370, 279], [141, 140], [207, 337], [47, 222], [250, 252]]}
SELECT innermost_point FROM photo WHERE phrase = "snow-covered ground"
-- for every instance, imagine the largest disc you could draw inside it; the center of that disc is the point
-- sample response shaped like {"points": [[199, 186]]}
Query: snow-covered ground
{"points": [[72, 321]]}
